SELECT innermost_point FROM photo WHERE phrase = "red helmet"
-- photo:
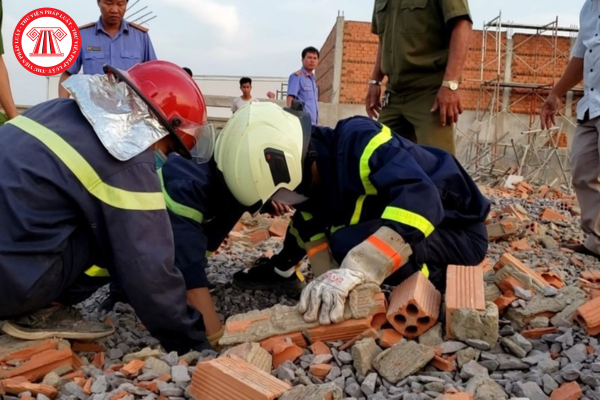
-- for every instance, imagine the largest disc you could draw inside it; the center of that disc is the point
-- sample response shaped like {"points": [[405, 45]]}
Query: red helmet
{"points": [[176, 101]]}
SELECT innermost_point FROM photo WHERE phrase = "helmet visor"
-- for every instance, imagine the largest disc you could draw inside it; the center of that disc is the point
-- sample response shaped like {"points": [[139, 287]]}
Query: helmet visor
{"points": [[203, 138]]}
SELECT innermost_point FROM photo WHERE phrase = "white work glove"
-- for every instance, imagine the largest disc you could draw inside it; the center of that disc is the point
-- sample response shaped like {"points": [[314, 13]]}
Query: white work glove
{"points": [[372, 260]]}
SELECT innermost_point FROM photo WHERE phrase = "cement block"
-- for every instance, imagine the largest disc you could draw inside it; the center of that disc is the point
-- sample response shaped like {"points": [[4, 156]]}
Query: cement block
{"points": [[402, 360], [474, 324]]}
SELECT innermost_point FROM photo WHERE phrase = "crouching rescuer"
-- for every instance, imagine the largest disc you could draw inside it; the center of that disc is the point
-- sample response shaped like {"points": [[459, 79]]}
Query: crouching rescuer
{"points": [[84, 202], [371, 206]]}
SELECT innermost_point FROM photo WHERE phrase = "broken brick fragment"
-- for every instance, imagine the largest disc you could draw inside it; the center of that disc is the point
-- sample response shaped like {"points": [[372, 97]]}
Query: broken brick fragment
{"points": [[254, 354], [283, 352], [278, 228], [369, 333], [151, 386], [258, 236], [414, 306], [230, 377], [553, 279], [551, 215], [389, 337], [511, 209], [509, 284], [41, 364], [567, 391], [133, 367], [520, 245], [320, 370], [28, 352], [87, 387], [20, 384], [457, 396], [343, 331], [85, 347], [319, 348], [75, 374], [98, 360], [508, 265], [592, 276], [119, 395], [504, 301], [464, 290], [80, 381], [588, 316], [537, 333], [577, 262], [297, 338], [443, 364], [504, 228]]}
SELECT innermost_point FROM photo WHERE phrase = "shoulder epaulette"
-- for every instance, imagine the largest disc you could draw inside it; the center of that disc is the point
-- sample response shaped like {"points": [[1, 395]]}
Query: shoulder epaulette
{"points": [[299, 72], [87, 25], [139, 27]]}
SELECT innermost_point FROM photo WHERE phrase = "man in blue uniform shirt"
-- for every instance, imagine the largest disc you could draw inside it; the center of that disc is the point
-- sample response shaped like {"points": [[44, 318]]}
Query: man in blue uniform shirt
{"points": [[302, 85], [111, 40]]}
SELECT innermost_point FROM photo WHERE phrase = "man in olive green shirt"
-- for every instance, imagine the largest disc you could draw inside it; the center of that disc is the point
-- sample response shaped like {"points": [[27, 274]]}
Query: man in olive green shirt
{"points": [[423, 47], [6, 99]]}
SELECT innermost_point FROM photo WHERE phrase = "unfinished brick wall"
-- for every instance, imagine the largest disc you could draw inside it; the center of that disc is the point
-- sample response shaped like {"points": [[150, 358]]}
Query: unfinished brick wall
{"points": [[325, 70], [533, 62]]}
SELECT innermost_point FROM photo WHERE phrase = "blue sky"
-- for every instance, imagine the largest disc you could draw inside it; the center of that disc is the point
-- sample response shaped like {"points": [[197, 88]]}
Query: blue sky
{"points": [[248, 37]]}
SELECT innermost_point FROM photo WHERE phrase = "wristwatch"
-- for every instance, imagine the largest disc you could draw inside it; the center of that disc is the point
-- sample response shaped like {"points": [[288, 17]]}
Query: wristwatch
{"points": [[374, 82], [452, 85]]}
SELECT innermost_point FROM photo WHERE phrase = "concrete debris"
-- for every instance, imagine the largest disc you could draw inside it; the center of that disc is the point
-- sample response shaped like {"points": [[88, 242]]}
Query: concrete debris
{"points": [[469, 323], [433, 337], [402, 360], [364, 352]]}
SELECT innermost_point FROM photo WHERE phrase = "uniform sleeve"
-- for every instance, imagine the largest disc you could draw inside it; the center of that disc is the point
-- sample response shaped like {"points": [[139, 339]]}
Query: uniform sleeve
{"points": [[374, 28], [415, 207], [234, 105], [76, 67], [150, 55], [456, 8], [304, 226], [143, 248], [293, 85]]}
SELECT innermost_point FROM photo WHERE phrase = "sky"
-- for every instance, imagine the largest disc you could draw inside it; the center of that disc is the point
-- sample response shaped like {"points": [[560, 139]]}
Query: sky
{"points": [[247, 37]]}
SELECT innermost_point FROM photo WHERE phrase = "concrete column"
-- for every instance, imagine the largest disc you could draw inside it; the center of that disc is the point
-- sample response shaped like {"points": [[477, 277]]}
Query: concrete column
{"points": [[338, 59], [507, 73]]}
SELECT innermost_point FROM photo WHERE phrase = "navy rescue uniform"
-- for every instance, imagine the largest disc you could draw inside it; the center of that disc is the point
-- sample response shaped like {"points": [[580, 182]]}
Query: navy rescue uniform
{"points": [[372, 177], [71, 212]]}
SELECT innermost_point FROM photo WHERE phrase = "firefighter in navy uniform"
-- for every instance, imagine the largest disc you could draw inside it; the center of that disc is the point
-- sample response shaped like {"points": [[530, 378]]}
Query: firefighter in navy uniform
{"points": [[83, 200], [370, 205]]}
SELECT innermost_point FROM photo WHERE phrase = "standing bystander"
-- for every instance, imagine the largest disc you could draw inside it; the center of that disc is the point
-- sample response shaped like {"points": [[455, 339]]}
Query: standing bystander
{"points": [[303, 86], [423, 47], [6, 99], [110, 40], [585, 148], [246, 97]]}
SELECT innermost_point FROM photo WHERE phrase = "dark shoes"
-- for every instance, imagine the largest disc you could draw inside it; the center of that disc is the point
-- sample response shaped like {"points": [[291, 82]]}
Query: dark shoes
{"points": [[56, 322], [581, 249], [262, 276]]}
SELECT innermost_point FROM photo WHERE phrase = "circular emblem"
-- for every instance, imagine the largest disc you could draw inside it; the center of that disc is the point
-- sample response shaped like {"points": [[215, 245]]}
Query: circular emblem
{"points": [[46, 41]]}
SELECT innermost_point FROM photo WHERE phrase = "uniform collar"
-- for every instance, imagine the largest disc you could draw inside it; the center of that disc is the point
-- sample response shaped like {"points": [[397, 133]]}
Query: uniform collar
{"points": [[306, 73], [124, 27]]}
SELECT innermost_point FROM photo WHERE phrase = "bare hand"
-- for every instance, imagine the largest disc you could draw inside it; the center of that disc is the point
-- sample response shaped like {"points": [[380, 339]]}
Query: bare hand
{"points": [[448, 102], [373, 101], [549, 110], [280, 209]]}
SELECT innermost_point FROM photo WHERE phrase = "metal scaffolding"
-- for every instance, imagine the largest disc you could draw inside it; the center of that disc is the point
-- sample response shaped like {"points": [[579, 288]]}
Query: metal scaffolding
{"points": [[492, 151]]}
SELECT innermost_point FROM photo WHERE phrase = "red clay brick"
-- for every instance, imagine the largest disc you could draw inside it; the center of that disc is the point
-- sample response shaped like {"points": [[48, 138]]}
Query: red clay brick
{"points": [[443, 364], [504, 301], [537, 333], [553, 279], [520, 245], [414, 306], [577, 262], [592, 276], [369, 333], [389, 337], [319, 348], [567, 391], [151, 386], [320, 370], [278, 227], [73, 375], [464, 290], [230, 377], [87, 347], [87, 387], [98, 360], [297, 338], [41, 364], [30, 351], [510, 259], [457, 396], [551, 215], [283, 352], [20, 384], [343, 331], [133, 367], [258, 236], [588, 316]]}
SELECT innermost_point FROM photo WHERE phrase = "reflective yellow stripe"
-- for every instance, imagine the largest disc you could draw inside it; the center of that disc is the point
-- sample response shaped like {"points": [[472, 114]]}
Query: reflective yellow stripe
{"points": [[317, 237], [307, 216], [336, 228], [425, 271], [295, 234], [97, 272], [113, 196], [178, 208], [365, 171], [408, 218], [209, 254]]}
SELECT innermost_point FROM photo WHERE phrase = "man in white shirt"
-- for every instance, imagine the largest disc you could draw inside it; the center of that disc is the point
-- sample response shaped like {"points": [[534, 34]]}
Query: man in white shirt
{"points": [[246, 97], [585, 152]]}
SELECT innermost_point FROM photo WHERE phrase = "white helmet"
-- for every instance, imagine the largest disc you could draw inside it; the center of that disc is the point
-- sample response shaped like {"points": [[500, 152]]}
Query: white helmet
{"points": [[261, 151]]}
